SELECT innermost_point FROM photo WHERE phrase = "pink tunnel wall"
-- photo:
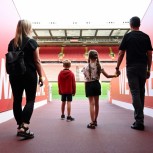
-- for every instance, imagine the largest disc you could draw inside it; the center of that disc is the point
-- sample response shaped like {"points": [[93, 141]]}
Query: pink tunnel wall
{"points": [[8, 19]]}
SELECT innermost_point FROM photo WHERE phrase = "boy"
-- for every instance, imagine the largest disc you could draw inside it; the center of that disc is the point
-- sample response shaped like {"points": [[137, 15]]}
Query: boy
{"points": [[66, 88]]}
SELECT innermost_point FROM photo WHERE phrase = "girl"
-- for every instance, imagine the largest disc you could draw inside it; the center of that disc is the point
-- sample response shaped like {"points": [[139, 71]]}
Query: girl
{"points": [[92, 85]]}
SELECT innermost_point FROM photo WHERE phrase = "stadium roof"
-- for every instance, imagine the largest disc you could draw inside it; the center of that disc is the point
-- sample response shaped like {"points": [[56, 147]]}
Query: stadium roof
{"points": [[83, 22], [84, 37]]}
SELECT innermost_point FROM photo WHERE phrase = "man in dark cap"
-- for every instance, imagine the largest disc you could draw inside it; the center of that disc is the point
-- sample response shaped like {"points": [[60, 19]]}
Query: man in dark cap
{"points": [[138, 48]]}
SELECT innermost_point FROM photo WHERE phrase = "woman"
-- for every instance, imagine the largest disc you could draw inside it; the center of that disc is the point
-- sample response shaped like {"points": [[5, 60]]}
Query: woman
{"points": [[92, 85], [27, 81]]}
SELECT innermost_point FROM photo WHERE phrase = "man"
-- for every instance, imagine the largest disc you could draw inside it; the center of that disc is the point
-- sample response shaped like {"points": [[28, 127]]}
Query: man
{"points": [[138, 48]]}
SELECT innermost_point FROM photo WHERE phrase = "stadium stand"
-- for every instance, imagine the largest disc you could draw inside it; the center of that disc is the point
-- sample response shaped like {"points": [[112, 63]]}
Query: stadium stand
{"points": [[52, 62], [49, 53], [77, 53], [52, 70]]}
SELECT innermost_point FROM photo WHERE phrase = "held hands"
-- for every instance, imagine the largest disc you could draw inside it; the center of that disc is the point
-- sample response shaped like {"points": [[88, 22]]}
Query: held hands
{"points": [[117, 73], [40, 81]]}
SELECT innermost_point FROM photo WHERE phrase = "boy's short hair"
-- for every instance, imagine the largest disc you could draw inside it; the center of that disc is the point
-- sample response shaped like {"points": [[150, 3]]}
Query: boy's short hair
{"points": [[67, 63], [135, 21]]}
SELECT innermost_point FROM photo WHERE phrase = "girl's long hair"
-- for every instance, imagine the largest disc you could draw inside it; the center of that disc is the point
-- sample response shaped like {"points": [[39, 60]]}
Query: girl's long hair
{"points": [[93, 54], [23, 29]]}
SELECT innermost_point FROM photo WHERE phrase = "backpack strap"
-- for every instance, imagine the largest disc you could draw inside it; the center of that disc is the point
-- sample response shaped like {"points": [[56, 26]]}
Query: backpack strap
{"points": [[15, 49], [24, 45]]}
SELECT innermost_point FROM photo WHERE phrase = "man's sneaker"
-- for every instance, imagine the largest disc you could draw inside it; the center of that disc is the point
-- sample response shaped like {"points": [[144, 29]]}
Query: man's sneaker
{"points": [[62, 117], [137, 126], [69, 118]]}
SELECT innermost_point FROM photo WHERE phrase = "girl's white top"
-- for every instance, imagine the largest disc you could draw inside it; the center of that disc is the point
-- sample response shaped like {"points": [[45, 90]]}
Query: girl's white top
{"points": [[94, 75]]}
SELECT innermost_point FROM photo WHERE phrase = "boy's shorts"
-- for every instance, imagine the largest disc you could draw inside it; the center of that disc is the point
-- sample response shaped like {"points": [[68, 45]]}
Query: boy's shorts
{"points": [[66, 97], [93, 88]]}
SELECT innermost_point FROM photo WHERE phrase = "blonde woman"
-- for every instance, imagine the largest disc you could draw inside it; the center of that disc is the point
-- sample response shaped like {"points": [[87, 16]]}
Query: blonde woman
{"points": [[92, 73], [28, 80]]}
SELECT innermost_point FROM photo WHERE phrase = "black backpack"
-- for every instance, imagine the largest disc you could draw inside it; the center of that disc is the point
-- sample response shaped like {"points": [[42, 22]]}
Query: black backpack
{"points": [[15, 64]]}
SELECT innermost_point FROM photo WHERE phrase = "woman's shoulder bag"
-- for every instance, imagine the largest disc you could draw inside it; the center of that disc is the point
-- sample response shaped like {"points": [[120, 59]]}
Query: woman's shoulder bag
{"points": [[15, 64]]}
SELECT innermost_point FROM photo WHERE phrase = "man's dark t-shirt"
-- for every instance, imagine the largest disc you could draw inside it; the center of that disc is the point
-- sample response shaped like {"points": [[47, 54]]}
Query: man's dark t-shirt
{"points": [[136, 44]]}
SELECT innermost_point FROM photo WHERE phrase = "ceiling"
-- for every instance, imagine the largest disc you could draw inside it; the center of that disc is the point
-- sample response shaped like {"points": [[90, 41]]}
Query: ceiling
{"points": [[81, 22], [84, 37]]}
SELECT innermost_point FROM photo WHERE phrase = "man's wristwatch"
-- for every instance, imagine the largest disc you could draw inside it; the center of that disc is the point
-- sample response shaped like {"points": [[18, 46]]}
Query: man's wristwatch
{"points": [[117, 68]]}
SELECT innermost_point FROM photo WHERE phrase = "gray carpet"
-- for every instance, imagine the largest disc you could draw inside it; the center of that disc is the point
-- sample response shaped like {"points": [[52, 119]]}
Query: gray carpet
{"points": [[53, 135]]}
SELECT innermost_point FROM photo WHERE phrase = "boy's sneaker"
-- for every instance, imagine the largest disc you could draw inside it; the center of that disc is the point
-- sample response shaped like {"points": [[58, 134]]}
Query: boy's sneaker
{"points": [[69, 118], [62, 117]]}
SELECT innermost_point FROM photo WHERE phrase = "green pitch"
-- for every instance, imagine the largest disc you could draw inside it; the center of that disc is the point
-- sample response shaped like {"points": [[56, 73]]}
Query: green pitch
{"points": [[80, 92]]}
